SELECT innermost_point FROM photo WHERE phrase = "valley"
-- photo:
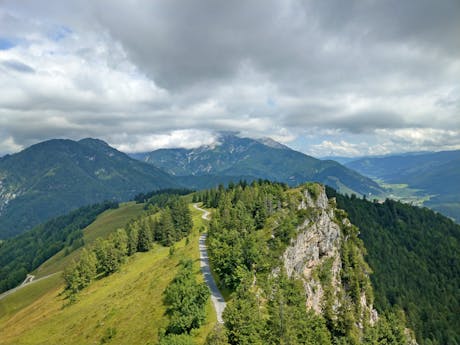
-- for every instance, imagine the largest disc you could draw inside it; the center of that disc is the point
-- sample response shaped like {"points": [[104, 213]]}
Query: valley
{"points": [[430, 179]]}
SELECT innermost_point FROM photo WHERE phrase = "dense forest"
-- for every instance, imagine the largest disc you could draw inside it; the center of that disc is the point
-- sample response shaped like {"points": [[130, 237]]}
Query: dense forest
{"points": [[415, 255], [251, 227], [24, 253]]}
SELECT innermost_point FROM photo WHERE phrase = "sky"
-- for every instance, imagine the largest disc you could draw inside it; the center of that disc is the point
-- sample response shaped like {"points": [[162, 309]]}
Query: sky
{"points": [[328, 78]]}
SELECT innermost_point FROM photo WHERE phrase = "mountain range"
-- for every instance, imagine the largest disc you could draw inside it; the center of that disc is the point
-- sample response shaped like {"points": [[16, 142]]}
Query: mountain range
{"points": [[235, 158], [435, 174], [413, 252], [55, 176]]}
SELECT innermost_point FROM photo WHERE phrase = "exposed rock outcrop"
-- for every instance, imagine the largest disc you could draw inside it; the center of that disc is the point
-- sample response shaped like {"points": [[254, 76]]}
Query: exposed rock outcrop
{"points": [[316, 256]]}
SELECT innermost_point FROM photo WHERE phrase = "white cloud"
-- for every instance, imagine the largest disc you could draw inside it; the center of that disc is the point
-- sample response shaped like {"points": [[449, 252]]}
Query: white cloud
{"points": [[356, 78], [180, 138]]}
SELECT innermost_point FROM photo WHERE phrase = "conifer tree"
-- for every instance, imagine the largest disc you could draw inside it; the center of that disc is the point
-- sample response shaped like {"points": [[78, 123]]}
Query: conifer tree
{"points": [[144, 239]]}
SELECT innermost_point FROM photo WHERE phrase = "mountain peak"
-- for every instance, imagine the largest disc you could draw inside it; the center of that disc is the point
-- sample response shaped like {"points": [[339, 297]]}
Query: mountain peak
{"points": [[230, 137], [272, 143], [235, 158], [93, 141]]}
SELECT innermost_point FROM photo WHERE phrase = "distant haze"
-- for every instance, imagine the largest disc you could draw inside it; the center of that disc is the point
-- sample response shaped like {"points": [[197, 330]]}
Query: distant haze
{"points": [[328, 78]]}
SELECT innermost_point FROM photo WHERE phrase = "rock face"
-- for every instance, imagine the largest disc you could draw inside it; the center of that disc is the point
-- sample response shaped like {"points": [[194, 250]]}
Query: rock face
{"points": [[6, 195], [315, 256]]}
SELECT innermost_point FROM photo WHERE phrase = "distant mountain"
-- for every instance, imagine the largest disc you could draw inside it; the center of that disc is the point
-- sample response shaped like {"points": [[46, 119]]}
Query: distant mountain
{"points": [[234, 158], [55, 176], [345, 160], [435, 173], [340, 159]]}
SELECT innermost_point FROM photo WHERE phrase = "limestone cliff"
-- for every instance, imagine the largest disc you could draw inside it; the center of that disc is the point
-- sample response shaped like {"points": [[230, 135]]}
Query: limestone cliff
{"points": [[327, 255]]}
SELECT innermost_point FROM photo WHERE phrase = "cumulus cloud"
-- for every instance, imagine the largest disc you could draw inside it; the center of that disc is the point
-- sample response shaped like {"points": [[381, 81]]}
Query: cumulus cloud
{"points": [[188, 138], [382, 76]]}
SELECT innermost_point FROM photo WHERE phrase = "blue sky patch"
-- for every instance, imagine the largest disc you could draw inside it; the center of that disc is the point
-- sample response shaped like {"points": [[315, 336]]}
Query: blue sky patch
{"points": [[6, 43], [59, 33]]}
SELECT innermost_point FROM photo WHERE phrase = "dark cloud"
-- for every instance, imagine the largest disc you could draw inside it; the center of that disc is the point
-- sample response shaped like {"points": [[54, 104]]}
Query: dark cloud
{"points": [[133, 70]]}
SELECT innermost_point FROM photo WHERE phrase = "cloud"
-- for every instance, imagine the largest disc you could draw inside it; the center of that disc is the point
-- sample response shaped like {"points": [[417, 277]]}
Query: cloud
{"points": [[140, 73], [388, 141], [18, 66], [188, 138]]}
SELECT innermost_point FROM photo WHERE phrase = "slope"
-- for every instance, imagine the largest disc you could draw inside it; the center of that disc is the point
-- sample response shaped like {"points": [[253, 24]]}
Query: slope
{"points": [[234, 158], [123, 308], [296, 267], [21, 254], [436, 174], [55, 176], [415, 256]]}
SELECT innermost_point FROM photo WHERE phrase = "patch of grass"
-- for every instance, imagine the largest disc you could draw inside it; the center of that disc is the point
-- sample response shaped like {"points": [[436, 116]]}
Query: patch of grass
{"points": [[20, 299], [129, 301], [402, 192], [106, 223]]}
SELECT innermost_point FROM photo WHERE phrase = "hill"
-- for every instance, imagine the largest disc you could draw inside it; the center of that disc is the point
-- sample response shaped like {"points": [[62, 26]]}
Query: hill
{"points": [[25, 252], [274, 249], [279, 249], [436, 174], [56, 176], [235, 158], [126, 307]]}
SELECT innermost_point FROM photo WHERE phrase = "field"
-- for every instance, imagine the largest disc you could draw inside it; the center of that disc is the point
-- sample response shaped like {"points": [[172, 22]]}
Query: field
{"points": [[124, 308], [106, 223]]}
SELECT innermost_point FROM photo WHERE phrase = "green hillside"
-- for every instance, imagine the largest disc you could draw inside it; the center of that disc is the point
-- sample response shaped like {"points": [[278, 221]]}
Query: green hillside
{"points": [[22, 254], [105, 224], [124, 308], [53, 177], [413, 253]]}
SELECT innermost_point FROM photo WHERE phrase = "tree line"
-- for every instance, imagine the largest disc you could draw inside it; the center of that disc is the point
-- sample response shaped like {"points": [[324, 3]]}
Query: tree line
{"points": [[24, 253], [167, 226]]}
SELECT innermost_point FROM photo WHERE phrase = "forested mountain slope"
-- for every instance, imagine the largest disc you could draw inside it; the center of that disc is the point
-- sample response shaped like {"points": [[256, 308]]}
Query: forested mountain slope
{"points": [[415, 255], [56, 176], [296, 268], [235, 158]]}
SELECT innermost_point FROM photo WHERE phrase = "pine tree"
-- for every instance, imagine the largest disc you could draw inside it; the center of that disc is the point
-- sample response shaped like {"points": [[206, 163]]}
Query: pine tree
{"points": [[144, 239], [133, 237], [242, 320], [217, 336], [186, 300], [166, 230]]}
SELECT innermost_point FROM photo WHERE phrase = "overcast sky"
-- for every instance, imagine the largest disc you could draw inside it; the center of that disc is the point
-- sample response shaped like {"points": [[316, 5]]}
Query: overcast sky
{"points": [[326, 77]]}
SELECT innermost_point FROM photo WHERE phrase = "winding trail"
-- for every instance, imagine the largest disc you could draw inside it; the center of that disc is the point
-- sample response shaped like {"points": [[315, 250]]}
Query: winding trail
{"points": [[216, 297], [30, 279]]}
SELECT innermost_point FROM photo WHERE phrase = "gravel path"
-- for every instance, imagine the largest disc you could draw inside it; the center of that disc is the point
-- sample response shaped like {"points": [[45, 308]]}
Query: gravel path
{"points": [[216, 297], [29, 280]]}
